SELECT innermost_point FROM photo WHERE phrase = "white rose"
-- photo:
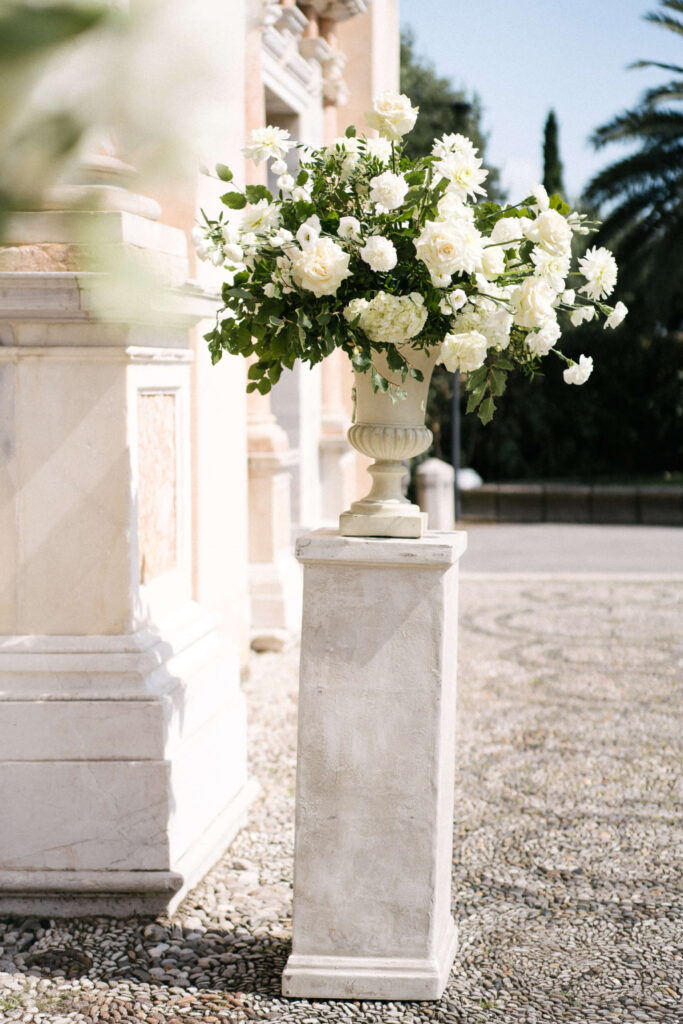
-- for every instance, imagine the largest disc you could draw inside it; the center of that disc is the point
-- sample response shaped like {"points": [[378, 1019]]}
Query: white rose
{"points": [[578, 373], [449, 247], [388, 190], [551, 231], [452, 302], [349, 227], [540, 342], [617, 315], [463, 351], [269, 289], [379, 253], [392, 115], [493, 261], [508, 232], [532, 303], [322, 268], [541, 196]]}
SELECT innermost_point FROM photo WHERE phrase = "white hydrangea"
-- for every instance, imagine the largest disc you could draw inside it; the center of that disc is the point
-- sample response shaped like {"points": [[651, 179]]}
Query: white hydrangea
{"points": [[617, 315], [268, 142], [466, 351], [600, 270], [578, 373], [392, 115], [540, 342], [388, 190], [379, 253], [450, 247], [389, 318]]}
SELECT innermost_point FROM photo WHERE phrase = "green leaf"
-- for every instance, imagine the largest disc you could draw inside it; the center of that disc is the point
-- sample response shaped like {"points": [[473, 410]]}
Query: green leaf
{"points": [[474, 399], [498, 380], [302, 177], [394, 358], [350, 132], [486, 411], [224, 172], [275, 321], [476, 378], [263, 386], [255, 193], [234, 200]]}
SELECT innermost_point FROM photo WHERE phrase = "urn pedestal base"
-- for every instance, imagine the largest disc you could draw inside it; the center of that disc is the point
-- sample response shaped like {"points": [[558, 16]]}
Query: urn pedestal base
{"points": [[365, 521], [375, 768]]}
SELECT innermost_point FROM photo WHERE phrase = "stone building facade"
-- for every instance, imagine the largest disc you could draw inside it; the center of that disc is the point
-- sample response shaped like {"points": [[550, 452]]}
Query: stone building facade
{"points": [[147, 507]]}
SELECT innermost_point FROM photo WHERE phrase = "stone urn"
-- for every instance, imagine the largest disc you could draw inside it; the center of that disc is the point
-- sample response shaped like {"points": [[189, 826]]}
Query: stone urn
{"points": [[389, 432]]}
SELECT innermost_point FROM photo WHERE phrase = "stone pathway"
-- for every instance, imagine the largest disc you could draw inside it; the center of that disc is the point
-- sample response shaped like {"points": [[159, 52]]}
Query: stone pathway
{"points": [[568, 853]]}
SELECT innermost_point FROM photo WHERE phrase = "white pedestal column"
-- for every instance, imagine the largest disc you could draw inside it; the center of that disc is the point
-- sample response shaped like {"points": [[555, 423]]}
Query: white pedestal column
{"points": [[372, 862]]}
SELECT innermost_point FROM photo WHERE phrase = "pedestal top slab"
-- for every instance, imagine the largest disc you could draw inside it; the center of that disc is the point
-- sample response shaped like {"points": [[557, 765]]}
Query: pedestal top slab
{"points": [[434, 548]]}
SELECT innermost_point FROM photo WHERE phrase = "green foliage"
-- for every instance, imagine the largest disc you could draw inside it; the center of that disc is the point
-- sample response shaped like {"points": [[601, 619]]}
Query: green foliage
{"points": [[552, 164], [29, 29]]}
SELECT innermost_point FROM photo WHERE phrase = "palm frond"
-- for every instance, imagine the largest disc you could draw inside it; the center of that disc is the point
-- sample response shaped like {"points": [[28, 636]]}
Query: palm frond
{"points": [[639, 124], [663, 93], [666, 21], [657, 64]]}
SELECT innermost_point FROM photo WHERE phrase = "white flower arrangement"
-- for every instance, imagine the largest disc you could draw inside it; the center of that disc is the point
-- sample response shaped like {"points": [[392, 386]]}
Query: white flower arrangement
{"points": [[366, 250]]}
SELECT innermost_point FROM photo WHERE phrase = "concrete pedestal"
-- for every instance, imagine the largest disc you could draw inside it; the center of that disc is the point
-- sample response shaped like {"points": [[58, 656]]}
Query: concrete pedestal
{"points": [[372, 862]]}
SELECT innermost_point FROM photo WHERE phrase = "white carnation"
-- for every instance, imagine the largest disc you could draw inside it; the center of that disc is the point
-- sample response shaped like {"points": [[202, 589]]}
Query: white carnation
{"points": [[540, 342], [388, 190], [379, 253], [582, 313], [261, 219], [600, 270], [569, 297], [463, 173], [321, 268], [578, 373], [463, 351], [392, 115], [551, 266], [617, 315]]}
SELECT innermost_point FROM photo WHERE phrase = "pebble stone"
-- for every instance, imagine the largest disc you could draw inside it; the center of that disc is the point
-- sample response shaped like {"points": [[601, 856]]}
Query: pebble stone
{"points": [[567, 880]]}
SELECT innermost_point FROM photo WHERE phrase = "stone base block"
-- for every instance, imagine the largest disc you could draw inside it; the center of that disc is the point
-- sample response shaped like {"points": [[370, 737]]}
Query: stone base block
{"points": [[409, 525], [122, 764], [394, 978]]}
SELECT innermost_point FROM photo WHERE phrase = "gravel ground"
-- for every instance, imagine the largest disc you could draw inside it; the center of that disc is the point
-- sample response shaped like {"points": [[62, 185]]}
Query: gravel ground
{"points": [[568, 852]]}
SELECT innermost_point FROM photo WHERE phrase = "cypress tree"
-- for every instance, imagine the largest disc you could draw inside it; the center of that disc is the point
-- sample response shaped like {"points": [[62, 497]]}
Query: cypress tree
{"points": [[552, 165]]}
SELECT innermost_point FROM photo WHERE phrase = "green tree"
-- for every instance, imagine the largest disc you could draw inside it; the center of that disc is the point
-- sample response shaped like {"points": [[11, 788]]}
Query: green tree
{"points": [[552, 165], [643, 191]]}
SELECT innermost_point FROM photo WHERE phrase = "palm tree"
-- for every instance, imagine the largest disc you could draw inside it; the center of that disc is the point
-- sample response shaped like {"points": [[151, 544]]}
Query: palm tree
{"points": [[643, 192]]}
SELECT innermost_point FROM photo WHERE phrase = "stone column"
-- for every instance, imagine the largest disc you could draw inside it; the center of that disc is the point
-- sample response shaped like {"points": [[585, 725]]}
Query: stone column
{"points": [[375, 768], [274, 576]]}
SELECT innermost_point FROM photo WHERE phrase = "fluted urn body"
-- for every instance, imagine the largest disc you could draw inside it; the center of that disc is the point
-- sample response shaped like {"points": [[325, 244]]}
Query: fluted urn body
{"points": [[389, 432]]}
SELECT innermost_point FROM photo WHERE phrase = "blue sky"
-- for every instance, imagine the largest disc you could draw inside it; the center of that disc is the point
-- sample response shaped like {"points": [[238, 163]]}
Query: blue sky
{"points": [[525, 56]]}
